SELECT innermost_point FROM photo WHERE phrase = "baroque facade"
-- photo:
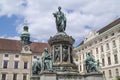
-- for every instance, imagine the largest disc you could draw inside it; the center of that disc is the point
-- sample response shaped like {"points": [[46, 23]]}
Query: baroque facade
{"points": [[104, 45], [16, 57]]}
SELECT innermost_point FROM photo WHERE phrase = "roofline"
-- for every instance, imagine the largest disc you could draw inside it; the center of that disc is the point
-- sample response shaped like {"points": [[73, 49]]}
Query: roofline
{"points": [[102, 30]]}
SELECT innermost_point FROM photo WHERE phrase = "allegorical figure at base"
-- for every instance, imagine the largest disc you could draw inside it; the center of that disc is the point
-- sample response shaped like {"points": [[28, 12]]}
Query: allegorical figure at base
{"points": [[36, 67], [91, 64], [46, 61]]}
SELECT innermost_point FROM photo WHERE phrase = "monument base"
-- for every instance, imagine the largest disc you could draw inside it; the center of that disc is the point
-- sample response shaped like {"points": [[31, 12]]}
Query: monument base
{"points": [[48, 76], [93, 76], [77, 76], [67, 76], [35, 77]]}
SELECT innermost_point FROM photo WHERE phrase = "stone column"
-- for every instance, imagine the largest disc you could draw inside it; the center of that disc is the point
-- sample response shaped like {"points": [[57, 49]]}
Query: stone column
{"points": [[68, 53], [61, 52], [53, 51]]}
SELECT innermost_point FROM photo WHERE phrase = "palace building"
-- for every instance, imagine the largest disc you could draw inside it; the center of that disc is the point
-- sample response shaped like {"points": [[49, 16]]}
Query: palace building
{"points": [[104, 45], [16, 56]]}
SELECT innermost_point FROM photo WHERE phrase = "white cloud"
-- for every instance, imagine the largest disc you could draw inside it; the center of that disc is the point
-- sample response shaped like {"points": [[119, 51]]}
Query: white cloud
{"points": [[10, 37], [14, 38], [38, 13]]}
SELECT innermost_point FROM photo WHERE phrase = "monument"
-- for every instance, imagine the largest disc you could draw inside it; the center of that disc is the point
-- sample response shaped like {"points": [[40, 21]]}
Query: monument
{"points": [[61, 45], [59, 64]]}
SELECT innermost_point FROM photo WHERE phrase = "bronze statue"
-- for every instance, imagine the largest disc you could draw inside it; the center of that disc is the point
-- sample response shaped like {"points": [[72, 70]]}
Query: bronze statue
{"points": [[57, 55], [36, 67], [46, 60], [65, 54], [91, 64], [60, 20]]}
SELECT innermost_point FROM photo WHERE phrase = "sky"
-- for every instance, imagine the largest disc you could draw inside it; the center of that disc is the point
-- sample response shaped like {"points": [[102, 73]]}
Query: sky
{"points": [[82, 17]]}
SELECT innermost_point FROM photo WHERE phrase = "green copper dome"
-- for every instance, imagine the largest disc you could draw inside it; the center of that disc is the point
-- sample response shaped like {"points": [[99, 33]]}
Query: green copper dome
{"points": [[25, 36]]}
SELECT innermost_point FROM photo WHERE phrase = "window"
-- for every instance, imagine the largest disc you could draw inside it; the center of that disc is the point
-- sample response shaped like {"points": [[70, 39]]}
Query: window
{"points": [[109, 61], [117, 72], [6, 55], [16, 56], [16, 65], [95, 42], [35, 57], [98, 63], [103, 62], [106, 37], [96, 50], [107, 46], [83, 55], [100, 39], [110, 74], [76, 59], [114, 43], [116, 58], [25, 65], [5, 64], [103, 72], [24, 77], [14, 76], [101, 48], [118, 31], [112, 34], [80, 68], [3, 76]]}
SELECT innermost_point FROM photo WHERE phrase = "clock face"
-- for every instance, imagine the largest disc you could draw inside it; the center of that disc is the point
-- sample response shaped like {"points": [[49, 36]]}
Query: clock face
{"points": [[26, 48]]}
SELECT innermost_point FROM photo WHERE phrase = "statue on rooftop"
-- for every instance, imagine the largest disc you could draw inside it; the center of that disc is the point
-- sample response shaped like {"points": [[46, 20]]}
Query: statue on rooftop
{"points": [[91, 64], [46, 60], [60, 20]]}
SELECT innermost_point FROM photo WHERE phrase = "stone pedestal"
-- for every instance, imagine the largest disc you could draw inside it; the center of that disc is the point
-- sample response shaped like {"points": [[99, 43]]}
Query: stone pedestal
{"points": [[67, 76], [35, 77], [77, 76], [94, 76], [62, 47], [48, 76]]}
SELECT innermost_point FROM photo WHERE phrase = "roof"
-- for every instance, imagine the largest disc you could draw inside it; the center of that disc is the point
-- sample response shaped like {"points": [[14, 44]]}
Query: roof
{"points": [[117, 21], [15, 46]]}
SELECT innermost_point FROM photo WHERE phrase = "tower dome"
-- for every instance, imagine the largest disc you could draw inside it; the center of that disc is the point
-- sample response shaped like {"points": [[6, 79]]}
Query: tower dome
{"points": [[25, 36]]}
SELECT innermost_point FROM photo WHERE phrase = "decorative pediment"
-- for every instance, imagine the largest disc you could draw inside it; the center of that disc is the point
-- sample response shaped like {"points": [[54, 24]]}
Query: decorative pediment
{"points": [[91, 35], [108, 54], [115, 51]]}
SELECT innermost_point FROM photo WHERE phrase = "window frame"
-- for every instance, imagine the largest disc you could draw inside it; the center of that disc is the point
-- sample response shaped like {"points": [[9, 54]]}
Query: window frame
{"points": [[16, 66], [5, 65], [4, 76], [25, 65], [15, 76]]}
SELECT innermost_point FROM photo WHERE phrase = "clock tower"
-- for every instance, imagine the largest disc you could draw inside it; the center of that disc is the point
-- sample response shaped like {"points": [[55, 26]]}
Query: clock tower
{"points": [[25, 40]]}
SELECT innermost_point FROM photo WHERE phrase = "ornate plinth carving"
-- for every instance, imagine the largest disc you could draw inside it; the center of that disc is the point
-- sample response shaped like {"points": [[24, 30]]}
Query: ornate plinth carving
{"points": [[61, 46]]}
